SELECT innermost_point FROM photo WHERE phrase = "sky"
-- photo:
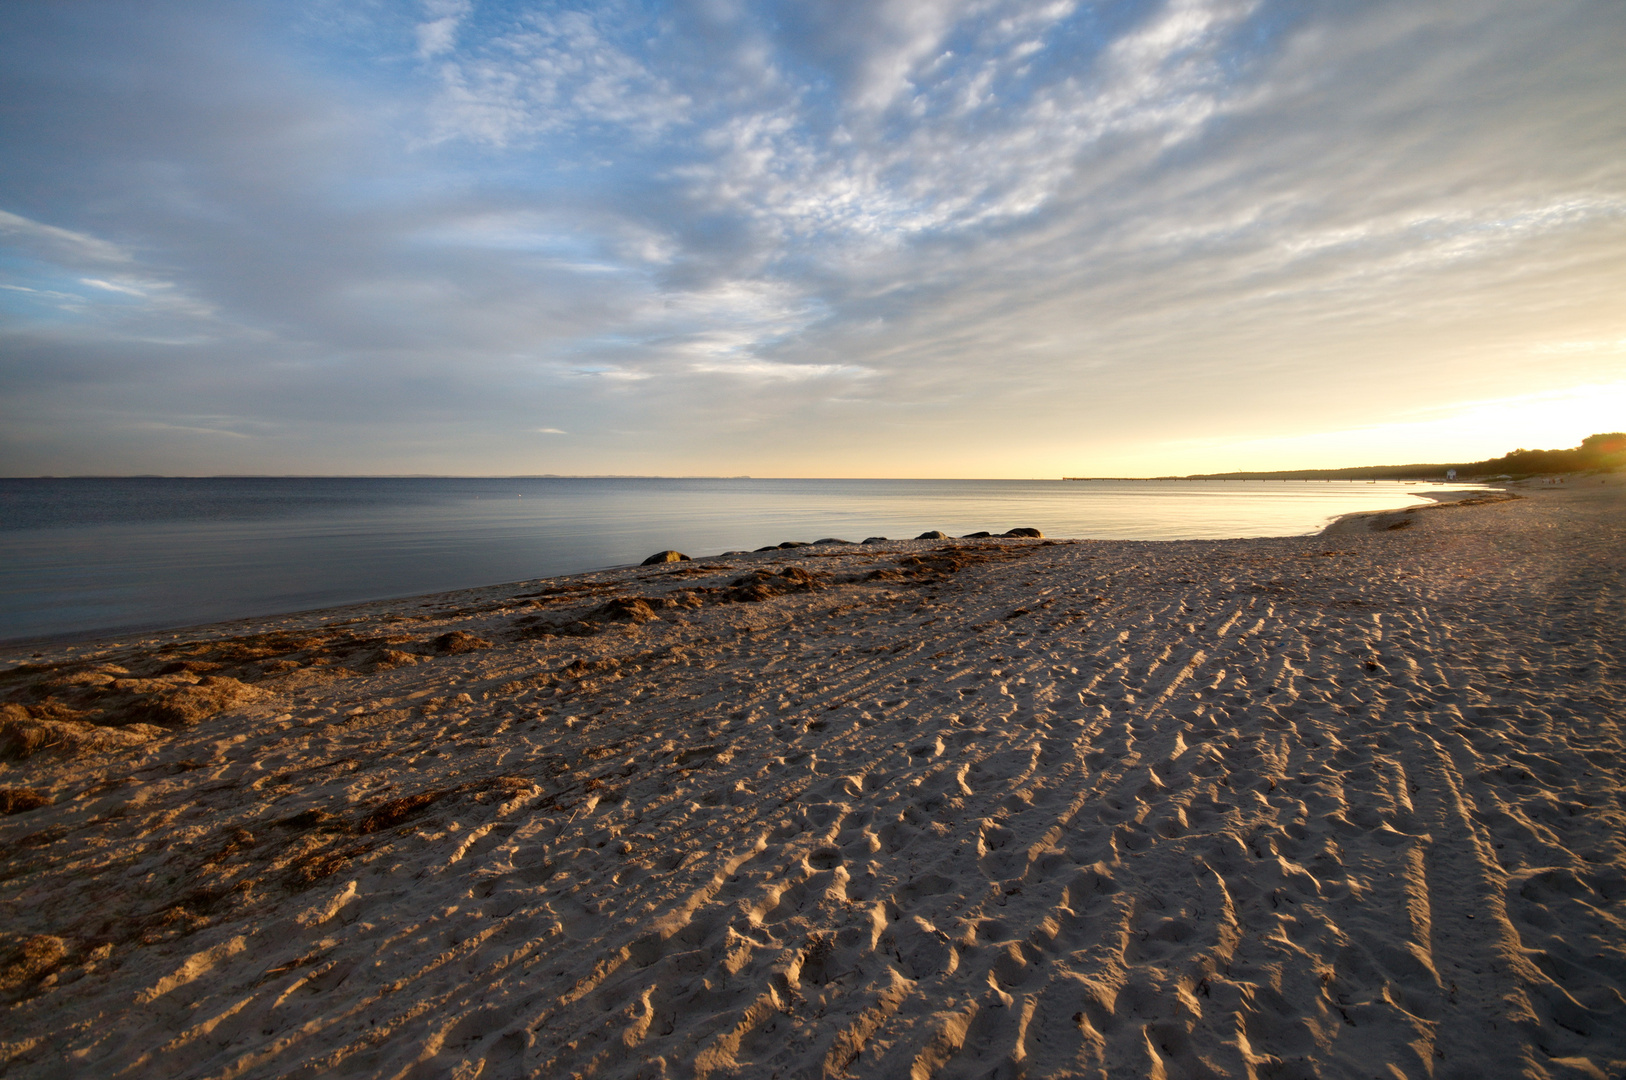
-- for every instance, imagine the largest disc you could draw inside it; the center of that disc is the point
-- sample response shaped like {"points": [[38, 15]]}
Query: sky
{"points": [[843, 238]]}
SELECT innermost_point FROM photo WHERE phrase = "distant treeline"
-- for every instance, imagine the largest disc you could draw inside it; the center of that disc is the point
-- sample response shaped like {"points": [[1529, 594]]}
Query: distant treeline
{"points": [[1606, 452]]}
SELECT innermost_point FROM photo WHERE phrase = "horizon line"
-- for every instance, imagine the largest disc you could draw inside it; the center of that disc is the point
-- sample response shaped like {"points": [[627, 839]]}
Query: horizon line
{"points": [[644, 476]]}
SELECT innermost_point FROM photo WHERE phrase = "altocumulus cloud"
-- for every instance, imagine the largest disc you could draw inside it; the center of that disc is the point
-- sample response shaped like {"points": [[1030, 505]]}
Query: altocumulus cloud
{"points": [[893, 237]]}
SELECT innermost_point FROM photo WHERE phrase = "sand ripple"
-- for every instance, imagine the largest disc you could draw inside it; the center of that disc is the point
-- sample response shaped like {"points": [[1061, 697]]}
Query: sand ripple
{"points": [[1336, 806]]}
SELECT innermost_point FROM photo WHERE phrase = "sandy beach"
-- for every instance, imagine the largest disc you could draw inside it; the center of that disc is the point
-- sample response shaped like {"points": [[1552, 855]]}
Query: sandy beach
{"points": [[1348, 805]]}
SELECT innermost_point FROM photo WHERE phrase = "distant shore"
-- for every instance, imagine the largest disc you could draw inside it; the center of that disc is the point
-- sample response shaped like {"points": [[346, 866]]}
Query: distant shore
{"points": [[1601, 453]]}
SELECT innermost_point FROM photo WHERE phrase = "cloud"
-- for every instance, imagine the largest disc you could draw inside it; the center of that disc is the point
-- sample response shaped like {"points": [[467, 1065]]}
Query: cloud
{"points": [[550, 71], [112, 287], [906, 236], [438, 34], [51, 242], [874, 49], [767, 369], [192, 429], [988, 140]]}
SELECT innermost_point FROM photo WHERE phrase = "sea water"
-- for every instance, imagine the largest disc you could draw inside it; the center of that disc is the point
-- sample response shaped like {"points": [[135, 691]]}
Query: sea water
{"points": [[104, 555]]}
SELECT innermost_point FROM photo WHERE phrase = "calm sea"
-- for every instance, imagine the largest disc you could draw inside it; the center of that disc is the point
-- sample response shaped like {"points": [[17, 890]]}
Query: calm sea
{"points": [[110, 555]]}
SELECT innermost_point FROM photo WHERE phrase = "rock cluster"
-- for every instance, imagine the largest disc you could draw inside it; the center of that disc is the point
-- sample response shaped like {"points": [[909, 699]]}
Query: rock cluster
{"points": [[670, 556]]}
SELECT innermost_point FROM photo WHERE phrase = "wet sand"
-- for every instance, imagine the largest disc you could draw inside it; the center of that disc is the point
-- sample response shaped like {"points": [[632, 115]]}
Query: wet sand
{"points": [[1344, 806]]}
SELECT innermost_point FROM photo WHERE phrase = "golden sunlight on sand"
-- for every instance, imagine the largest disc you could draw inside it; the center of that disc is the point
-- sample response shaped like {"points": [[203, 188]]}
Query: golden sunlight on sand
{"points": [[1343, 806]]}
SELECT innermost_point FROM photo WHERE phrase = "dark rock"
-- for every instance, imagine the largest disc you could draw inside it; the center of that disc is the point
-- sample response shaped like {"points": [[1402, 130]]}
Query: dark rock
{"points": [[664, 557], [875, 540], [933, 534], [1034, 533], [976, 536], [832, 540], [770, 547], [795, 544]]}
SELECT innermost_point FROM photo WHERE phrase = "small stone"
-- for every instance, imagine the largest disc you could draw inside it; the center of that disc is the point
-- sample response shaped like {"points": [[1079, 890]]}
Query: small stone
{"points": [[875, 540], [665, 557], [1033, 533], [977, 536], [933, 534]]}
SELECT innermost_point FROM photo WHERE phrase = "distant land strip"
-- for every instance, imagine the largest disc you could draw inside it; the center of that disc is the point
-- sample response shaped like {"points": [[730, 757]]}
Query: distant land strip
{"points": [[1597, 453]]}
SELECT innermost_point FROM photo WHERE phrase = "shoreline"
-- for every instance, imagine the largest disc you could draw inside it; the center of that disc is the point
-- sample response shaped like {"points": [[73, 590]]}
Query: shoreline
{"points": [[1403, 517], [13, 648], [1065, 806]]}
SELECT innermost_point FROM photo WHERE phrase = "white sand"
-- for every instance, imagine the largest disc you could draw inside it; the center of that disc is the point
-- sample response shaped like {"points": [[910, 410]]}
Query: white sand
{"points": [[1344, 806]]}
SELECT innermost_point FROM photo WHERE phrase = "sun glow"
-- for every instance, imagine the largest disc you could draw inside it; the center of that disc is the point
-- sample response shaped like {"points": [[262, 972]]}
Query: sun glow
{"points": [[1465, 430]]}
